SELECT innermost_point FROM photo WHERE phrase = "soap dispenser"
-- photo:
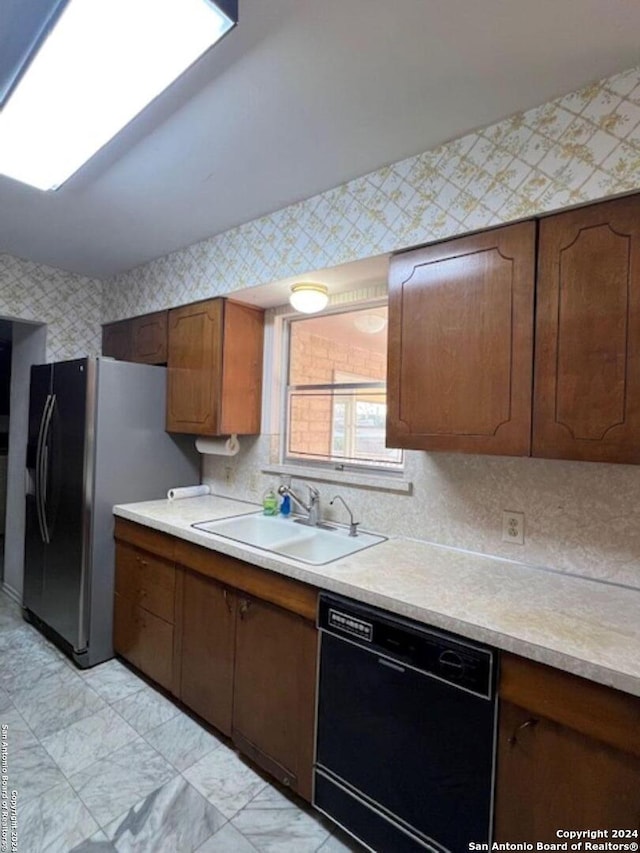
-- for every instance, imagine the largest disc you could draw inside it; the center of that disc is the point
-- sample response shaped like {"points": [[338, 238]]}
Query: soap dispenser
{"points": [[270, 502]]}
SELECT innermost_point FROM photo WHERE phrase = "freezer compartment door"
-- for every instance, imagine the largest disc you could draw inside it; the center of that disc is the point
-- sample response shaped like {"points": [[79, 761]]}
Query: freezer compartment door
{"points": [[35, 536], [63, 484]]}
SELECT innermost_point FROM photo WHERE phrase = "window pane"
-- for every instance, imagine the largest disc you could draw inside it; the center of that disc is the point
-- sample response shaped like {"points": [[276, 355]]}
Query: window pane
{"points": [[339, 426], [321, 346], [336, 394]]}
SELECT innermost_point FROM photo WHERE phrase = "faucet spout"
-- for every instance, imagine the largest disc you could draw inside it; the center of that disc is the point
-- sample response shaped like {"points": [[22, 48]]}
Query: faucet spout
{"points": [[353, 525], [312, 508]]}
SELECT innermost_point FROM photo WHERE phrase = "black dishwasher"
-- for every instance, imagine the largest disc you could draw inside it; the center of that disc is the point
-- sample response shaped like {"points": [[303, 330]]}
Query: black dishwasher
{"points": [[406, 731]]}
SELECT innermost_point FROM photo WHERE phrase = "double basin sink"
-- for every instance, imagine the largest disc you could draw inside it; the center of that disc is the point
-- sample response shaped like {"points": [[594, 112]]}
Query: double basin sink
{"points": [[289, 537]]}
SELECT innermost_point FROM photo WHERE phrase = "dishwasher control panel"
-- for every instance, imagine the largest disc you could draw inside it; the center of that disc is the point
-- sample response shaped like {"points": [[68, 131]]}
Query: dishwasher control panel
{"points": [[433, 652], [350, 624]]}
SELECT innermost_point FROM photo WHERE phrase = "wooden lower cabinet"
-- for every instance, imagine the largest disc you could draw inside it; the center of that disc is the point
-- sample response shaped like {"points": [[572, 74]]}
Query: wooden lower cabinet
{"points": [[248, 665], [207, 645], [568, 755], [274, 691], [235, 643]]}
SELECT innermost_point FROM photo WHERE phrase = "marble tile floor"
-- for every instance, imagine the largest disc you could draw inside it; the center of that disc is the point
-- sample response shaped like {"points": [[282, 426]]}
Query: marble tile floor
{"points": [[102, 762]]}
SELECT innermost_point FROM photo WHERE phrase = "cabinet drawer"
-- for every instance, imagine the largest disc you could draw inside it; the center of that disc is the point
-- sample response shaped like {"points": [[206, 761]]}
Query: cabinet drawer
{"points": [[145, 538], [146, 580], [144, 640], [156, 647]]}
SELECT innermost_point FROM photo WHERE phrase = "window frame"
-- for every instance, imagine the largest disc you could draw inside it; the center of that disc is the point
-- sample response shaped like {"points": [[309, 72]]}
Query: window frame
{"points": [[369, 467]]}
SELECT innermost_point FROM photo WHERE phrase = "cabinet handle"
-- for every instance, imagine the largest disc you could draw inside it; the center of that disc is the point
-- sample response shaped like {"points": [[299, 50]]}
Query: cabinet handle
{"points": [[528, 724], [244, 606], [226, 600], [142, 562]]}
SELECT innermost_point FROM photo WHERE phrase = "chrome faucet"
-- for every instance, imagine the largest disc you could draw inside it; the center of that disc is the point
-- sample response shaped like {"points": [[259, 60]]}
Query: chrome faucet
{"points": [[353, 525], [312, 508]]}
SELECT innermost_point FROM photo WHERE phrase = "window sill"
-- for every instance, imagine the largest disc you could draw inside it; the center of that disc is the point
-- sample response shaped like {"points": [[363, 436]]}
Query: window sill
{"points": [[381, 482]]}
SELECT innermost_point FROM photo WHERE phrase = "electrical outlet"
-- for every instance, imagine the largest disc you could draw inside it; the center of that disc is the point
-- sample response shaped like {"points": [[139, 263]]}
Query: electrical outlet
{"points": [[254, 481], [229, 474], [513, 527]]}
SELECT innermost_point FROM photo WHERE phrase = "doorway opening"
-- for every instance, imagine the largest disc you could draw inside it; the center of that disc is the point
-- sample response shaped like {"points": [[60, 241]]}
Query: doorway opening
{"points": [[6, 335]]}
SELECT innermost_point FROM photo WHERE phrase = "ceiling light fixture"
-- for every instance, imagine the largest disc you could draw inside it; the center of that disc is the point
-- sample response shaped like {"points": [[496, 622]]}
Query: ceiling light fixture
{"points": [[370, 324], [102, 63], [309, 298]]}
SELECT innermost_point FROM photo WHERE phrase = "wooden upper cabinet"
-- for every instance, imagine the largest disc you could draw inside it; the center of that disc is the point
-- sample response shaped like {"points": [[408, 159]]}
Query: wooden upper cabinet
{"points": [[215, 368], [149, 338], [116, 340], [140, 339], [461, 344], [587, 372]]}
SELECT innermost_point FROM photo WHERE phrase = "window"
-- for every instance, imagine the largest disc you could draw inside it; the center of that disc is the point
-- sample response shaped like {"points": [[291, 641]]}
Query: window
{"points": [[336, 395]]}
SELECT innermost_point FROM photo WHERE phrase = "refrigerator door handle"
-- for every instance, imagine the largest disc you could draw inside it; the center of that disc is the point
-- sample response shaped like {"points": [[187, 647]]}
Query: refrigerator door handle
{"points": [[44, 468], [38, 478]]}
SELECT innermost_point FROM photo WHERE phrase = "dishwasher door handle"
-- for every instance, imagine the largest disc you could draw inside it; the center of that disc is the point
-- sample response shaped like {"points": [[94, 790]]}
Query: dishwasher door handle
{"points": [[391, 665]]}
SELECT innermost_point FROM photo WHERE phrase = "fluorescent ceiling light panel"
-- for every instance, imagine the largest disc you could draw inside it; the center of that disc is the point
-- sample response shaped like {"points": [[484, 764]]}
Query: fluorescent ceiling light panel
{"points": [[102, 64]]}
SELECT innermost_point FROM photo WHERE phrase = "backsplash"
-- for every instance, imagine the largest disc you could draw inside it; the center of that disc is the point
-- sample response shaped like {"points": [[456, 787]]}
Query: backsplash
{"points": [[581, 147], [580, 517], [70, 305]]}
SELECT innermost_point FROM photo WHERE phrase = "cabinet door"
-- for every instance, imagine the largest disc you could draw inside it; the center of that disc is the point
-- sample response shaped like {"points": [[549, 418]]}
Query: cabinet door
{"points": [[195, 368], [116, 340], [242, 369], [149, 338], [208, 628], [461, 344], [274, 690], [587, 371], [551, 777]]}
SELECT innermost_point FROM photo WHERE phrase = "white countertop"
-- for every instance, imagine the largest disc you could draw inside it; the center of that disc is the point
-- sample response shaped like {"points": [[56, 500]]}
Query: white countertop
{"points": [[578, 625]]}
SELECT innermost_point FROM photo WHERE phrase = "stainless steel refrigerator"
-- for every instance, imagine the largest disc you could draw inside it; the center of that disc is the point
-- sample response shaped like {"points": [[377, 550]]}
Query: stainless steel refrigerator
{"points": [[96, 438]]}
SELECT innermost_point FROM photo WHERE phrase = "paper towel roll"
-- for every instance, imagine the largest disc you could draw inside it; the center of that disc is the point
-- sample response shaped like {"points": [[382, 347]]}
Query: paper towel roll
{"points": [[188, 492], [218, 446]]}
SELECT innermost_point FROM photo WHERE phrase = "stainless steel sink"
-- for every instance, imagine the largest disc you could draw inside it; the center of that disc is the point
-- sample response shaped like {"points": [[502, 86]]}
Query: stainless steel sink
{"points": [[287, 537]]}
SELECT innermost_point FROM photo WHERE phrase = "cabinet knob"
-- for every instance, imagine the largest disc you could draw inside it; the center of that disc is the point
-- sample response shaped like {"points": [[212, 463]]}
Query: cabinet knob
{"points": [[142, 562], [244, 607]]}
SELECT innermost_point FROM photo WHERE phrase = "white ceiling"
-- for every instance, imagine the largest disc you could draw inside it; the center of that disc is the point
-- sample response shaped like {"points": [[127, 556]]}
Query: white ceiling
{"points": [[302, 96]]}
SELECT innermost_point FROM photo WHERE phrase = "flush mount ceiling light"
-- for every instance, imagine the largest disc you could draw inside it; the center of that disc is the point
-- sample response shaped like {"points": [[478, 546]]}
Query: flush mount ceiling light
{"points": [[101, 64], [370, 324], [309, 298]]}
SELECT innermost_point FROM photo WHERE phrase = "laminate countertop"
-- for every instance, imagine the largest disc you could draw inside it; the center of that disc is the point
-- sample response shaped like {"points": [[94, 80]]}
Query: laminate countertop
{"points": [[589, 628]]}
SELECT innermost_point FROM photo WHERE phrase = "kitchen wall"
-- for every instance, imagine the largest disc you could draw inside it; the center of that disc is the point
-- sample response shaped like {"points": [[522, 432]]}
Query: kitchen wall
{"points": [[581, 147], [580, 517], [70, 305]]}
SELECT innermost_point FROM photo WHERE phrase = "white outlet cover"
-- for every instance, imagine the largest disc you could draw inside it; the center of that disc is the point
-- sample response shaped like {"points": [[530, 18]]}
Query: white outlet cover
{"points": [[513, 527]]}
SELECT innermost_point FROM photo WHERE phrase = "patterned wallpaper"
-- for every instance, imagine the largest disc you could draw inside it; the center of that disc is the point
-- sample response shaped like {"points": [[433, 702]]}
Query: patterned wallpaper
{"points": [[578, 148], [70, 304]]}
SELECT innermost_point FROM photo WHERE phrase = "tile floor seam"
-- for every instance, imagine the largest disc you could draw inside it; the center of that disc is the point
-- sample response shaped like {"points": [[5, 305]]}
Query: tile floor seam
{"points": [[77, 793]]}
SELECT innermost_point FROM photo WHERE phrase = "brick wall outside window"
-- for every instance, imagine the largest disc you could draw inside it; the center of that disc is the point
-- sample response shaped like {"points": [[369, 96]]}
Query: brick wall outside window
{"points": [[314, 360]]}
